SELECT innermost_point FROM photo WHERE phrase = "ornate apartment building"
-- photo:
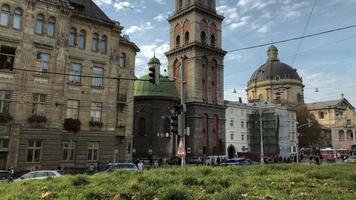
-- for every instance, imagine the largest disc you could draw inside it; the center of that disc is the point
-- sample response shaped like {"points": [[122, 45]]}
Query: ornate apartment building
{"points": [[195, 44], [61, 100]]}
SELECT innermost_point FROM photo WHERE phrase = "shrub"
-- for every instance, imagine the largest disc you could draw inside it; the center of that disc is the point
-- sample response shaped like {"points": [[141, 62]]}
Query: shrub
{"points": [[5, 117], [96, 124], [72, 125], [37, 119]]}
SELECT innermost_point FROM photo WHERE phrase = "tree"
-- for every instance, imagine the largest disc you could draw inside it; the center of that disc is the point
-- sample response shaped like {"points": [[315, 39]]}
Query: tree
{"points": [[310, 130]]}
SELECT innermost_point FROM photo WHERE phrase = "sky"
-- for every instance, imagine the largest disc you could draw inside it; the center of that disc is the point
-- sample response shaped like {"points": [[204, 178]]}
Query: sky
{"points": [[326, 62]]}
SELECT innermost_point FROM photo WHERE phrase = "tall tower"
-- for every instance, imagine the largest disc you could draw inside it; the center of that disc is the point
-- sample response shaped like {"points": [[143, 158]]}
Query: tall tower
{"points": [[195, 44]]}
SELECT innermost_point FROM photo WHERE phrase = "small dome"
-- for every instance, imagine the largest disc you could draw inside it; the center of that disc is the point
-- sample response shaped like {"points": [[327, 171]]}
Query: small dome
{"points": [[154, 60], [166, 87]]}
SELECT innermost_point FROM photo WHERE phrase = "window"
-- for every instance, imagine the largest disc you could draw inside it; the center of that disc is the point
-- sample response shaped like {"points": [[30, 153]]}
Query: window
{"points": [[180, 4], [94, 43], [93, 151], [39, 104], [299, 98], [68, 151], [73, 109], [348, 122], [142, 126], [203, 37], [5, 98], [122, 60], [186, 37], [231, 136], [75, 72], [242, 137], [213, 40], [72, 37], [40, 24], [44, 59], [103, 44], [231, 122], [4, 144], [321, 115], [341, 135], [17, 19], [178, 41], [95, 112], [34, 151], [7, 57], [96, 81], [51, 27], [242, 124], [4, 16], [82, 39]]}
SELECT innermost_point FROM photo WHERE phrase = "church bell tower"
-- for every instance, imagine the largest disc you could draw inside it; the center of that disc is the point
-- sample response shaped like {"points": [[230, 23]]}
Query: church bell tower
{"points": [[195, 45]]}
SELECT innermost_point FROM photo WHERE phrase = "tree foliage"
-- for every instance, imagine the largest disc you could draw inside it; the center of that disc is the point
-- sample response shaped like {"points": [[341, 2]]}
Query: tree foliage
{"points": [[309, 135]]}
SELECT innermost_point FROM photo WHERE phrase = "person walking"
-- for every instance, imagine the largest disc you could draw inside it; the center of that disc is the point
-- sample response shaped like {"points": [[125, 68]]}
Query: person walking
{"points": [[140, 165]]}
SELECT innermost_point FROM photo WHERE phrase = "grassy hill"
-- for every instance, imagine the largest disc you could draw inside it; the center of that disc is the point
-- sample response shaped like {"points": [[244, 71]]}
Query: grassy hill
{"points": [[198, 183]]}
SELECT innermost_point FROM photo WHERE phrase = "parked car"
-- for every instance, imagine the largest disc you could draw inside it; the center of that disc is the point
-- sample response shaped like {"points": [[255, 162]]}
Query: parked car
{"points": [[215, 160], [38, 175], [267, 160], [120, 167], [351, 159], [195, 160], [174, 161], [5, 176], [236, 162]]}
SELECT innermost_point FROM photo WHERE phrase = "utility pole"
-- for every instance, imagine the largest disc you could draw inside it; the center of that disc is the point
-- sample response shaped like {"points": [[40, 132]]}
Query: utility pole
{"points": [[182, 101]]}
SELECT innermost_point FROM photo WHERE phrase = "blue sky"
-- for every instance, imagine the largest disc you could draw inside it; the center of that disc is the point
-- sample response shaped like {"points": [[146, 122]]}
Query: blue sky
{"points": [[327, 62]]}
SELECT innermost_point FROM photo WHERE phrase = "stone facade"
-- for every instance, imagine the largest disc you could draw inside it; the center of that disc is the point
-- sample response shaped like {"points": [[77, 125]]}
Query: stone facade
{"points": [[338, 120], [195, 44], [61, 48]]}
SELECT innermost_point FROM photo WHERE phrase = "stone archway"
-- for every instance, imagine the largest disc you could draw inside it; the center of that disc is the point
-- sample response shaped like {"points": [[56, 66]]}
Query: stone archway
{"points": [[231, 151]]}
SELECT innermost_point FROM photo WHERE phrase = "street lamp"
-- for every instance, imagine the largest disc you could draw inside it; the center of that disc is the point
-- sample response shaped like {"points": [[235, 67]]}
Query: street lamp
{"points": [[261, 131]]}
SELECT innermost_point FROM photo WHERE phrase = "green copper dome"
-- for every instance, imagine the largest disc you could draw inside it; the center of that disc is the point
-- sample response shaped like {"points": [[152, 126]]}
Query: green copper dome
{"points": [[166, 87], [154, 60]]}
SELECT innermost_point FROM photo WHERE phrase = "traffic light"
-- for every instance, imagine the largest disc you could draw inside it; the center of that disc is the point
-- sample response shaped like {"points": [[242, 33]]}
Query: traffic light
{"points": [[152, 74], [174, 124]]}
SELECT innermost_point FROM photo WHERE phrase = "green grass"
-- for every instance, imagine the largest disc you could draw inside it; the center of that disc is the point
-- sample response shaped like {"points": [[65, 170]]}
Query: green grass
{"points": [[198, 183]]}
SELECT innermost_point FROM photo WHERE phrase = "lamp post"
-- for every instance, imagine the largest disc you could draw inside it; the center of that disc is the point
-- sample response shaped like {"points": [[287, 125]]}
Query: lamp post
{"points": [[261, 132]]}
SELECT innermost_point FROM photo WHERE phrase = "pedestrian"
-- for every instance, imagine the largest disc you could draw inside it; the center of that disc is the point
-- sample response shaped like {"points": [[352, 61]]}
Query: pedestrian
{"points": [[110, 163], [218, 161], [140, 166], [91, 168]]}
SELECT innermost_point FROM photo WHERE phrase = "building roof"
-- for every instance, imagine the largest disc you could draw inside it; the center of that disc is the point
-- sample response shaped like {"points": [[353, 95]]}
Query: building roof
{"points": [[89, 9], [154, 60], [342, 103], [274, 69], [166, 88]]}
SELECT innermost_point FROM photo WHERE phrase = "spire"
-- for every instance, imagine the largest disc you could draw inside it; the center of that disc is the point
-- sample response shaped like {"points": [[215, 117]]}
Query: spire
{"points": [[272, 53]]}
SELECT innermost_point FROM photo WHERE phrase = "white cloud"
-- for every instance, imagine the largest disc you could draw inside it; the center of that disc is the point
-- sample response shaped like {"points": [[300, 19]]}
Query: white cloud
{"points": [[118, 5], [160, 18], [135, 29]]}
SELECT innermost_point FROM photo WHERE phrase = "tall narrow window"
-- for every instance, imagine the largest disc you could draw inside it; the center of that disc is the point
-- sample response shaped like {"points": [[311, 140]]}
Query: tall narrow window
{"points": [[203, 37], [103, 44], [39, 104], [17, 19], [95, 112], [44, 59], [5, 99], [73, 109], [7, 57], [186, 37], [34, 151], [4, 16], [40, 24], [97, 79], [180, 4], [178, 41], [68, 151], [93, 151], [122, 60], [72, 37], [213, 40], [82, 39], [75, 72], [51, 27], [95, 41]]}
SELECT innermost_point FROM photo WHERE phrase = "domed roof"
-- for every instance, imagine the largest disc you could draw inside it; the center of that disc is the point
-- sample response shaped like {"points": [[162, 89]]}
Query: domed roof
{"points": [[166, 87], [154, 60], [274, 69]]}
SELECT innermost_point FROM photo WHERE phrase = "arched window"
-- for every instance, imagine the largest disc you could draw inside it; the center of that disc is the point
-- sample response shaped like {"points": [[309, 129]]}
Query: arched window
{"points": [[186, 37], [122, 60], [178, 41], [350, 135], [94, 42], [213, 40], [103, 44], [4, 16], [142, 126], [40, 24], [82, 39], [51, 27], [203, 37], [17, 19], [72, 37], [341, 135]]}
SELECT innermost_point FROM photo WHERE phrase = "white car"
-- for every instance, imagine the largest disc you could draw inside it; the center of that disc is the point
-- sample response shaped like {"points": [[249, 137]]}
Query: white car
{"points": [[351, 159], [38, 175]]}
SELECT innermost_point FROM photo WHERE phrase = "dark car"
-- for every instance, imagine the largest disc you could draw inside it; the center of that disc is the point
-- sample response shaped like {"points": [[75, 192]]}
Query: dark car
{"points": [[236, 162], [174, 161], [5, 176], [267, 160], [195, 160]]}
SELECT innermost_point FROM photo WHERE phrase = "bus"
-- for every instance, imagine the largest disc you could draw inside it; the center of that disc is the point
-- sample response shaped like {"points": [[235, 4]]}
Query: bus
{"points": [[331, 153]]}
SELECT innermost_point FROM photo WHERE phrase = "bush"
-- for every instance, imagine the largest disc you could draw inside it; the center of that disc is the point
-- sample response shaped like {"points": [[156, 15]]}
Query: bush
{"points": [[37, 119], [96, 124], [72, 125], [5, 117]]}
